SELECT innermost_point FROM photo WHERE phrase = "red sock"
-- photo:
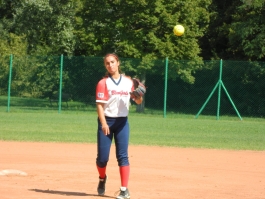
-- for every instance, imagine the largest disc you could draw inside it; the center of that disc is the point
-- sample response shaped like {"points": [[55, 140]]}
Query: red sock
{"points": [[124, 173], [101, 172]]}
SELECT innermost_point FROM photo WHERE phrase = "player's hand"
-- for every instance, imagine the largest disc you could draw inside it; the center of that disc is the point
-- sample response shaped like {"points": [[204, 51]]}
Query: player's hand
{"points": [[105, 129]]}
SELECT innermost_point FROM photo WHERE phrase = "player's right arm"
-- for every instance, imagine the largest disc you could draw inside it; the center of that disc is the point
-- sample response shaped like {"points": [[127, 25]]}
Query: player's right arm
{"points": [[101, 98], [102, 119]]}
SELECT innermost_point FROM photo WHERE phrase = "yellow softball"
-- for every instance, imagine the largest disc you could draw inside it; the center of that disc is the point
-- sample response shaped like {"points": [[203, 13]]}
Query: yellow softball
{"points": [[178, 30]]}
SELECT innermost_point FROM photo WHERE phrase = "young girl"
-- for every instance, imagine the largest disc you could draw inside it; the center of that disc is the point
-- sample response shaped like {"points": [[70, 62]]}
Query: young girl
{"points": [[113, 100]]}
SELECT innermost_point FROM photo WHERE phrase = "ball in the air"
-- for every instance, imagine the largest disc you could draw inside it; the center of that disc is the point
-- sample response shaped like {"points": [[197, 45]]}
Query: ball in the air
{"points": [[178, 30]]}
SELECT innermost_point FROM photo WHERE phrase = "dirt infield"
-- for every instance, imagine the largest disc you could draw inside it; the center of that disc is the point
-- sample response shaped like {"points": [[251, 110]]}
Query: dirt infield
{"points": [[62, 170]]}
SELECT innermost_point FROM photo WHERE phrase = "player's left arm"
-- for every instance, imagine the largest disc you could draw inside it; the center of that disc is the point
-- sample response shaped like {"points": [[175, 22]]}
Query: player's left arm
{"points": [[138, 91]]}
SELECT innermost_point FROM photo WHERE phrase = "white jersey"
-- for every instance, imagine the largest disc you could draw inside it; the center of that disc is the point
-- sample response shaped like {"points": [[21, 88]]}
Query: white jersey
{"points": [[115, 95]]}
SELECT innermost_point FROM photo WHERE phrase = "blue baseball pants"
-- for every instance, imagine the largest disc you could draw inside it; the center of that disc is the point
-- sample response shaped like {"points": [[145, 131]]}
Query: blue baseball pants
{"points": [[119, 129]]}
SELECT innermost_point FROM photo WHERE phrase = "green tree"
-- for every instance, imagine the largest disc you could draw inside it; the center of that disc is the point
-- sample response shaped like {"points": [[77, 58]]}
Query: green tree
{"points": [[48, 25], [236, 30], [215, 42], [46, 28], [15, 45], [143, 29], [247, 31]]}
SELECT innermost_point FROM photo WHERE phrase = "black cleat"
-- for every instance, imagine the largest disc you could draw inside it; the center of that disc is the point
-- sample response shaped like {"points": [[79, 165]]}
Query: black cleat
{"points": [[101, 185]]}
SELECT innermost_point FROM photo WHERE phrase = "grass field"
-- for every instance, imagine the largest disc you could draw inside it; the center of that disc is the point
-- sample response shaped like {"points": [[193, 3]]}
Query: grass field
{"points": [[175, 131]]}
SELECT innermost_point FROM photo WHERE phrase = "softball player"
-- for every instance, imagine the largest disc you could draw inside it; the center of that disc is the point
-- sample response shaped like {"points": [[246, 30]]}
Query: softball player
{"points": [[113, 100]]}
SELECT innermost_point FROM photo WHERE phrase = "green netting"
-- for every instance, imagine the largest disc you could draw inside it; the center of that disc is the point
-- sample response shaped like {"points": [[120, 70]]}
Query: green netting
{"points": [[35, 84]]}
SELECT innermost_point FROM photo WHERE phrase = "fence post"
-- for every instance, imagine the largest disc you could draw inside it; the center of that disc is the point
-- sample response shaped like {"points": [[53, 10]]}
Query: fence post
{"points": [[9, 82], [165, 93], [219, 90], [61, 82], [219, 84]]}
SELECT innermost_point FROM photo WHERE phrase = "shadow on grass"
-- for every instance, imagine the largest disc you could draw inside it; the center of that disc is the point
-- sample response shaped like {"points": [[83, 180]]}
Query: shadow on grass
{"points": [[67, 193], [3, 101], [36, 104]]}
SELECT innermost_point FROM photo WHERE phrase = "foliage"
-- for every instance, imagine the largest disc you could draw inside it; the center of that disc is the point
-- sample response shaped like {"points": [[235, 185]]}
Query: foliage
{"points": [[236, 31], [215, 42], [144, 29], [247, 32], [84, 74], [46, 24], [9, 44], [138, 29], [39, 28]]}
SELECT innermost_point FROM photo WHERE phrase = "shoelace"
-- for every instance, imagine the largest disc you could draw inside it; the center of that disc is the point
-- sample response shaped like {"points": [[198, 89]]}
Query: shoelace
{"points": [[122, 193]]}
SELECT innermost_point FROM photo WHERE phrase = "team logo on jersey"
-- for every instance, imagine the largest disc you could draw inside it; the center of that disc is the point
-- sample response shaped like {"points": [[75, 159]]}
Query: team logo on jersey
{"points": [[113, 92], [100, 95]]}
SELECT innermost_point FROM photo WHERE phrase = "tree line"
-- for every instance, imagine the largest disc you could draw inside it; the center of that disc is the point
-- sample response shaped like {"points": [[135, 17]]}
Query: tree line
{"points": [[134, 29]]}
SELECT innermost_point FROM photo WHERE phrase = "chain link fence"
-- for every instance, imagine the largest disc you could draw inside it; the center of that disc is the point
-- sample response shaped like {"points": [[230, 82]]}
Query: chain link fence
{"points": [[68, 83]]}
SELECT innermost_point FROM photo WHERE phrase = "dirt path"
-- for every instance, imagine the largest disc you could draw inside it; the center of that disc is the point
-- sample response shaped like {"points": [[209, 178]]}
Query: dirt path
{"points": [[59, 170]]}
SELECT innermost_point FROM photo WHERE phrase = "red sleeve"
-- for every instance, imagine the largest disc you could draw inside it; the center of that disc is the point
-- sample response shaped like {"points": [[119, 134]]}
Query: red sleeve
{"points": [[102, 91]]}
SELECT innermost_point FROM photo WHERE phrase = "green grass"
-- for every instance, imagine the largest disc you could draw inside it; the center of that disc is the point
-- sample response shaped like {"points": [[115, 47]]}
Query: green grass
{"points": [[205, 133], [146, 129], [24, 104]]}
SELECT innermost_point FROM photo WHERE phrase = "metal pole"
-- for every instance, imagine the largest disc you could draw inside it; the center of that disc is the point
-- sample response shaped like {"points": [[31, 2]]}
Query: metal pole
{"points": [[165, 93], [238, 114], [205, 103], [61, 82], [219, 90], [9, 82]]}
